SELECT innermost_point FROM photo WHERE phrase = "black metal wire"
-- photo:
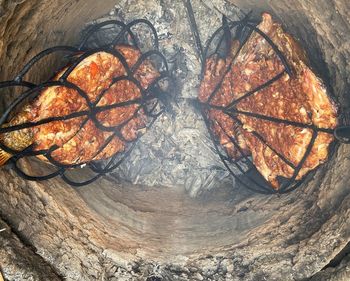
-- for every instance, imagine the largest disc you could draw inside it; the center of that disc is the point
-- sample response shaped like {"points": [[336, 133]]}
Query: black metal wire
{"points": [[194, 29], [249, 177], [150, 101]]}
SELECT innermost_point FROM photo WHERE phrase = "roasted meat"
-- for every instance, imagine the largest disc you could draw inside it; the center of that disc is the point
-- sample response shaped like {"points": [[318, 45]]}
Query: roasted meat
{"points": [[225, 129], [78, 140], [276, 148]]}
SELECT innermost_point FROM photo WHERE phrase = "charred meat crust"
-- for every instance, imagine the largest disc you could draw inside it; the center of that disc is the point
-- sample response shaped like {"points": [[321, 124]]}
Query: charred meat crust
{"points": [[78, 140], [301, 98]]}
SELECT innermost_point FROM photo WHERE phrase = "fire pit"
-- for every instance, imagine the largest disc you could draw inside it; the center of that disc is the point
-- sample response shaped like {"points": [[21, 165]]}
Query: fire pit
{"points": [[172, 210]]}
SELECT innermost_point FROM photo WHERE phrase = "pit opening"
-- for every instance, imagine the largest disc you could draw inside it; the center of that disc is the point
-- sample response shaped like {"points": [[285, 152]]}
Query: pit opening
{"points": [[182, 224]]}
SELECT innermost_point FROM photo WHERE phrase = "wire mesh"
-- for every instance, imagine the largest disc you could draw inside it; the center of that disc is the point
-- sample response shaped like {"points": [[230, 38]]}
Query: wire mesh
{"points": [[152, 101], [243, 169]]}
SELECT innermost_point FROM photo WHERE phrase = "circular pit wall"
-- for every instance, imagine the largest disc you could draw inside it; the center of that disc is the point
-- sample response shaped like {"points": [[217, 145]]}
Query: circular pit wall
{"points": [[114, 231]]}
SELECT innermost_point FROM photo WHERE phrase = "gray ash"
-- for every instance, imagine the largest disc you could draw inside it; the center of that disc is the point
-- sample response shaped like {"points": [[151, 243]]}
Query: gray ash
{"points": [[176, 151]]}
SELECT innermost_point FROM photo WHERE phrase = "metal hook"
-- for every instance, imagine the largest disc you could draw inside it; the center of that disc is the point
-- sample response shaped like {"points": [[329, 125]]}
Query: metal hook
{"points": [[342, 134]]}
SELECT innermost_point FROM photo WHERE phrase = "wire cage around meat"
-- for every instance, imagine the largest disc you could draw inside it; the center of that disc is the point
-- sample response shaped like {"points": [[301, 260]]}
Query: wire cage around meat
{"points": [[152, 101], [243, 169]]}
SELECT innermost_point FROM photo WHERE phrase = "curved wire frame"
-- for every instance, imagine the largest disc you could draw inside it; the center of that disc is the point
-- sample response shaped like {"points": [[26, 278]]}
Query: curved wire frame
{"points": [[150, 101], [243, 169]]}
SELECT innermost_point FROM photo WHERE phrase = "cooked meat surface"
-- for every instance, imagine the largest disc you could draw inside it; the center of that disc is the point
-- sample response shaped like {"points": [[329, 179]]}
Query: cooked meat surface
{"points": [[276, 148], [80, 140]]}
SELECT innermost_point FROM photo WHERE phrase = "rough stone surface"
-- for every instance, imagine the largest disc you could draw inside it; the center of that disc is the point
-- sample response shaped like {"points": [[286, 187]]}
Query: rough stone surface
{"points": [[110, 231], [339, 273], [19, 262]]}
